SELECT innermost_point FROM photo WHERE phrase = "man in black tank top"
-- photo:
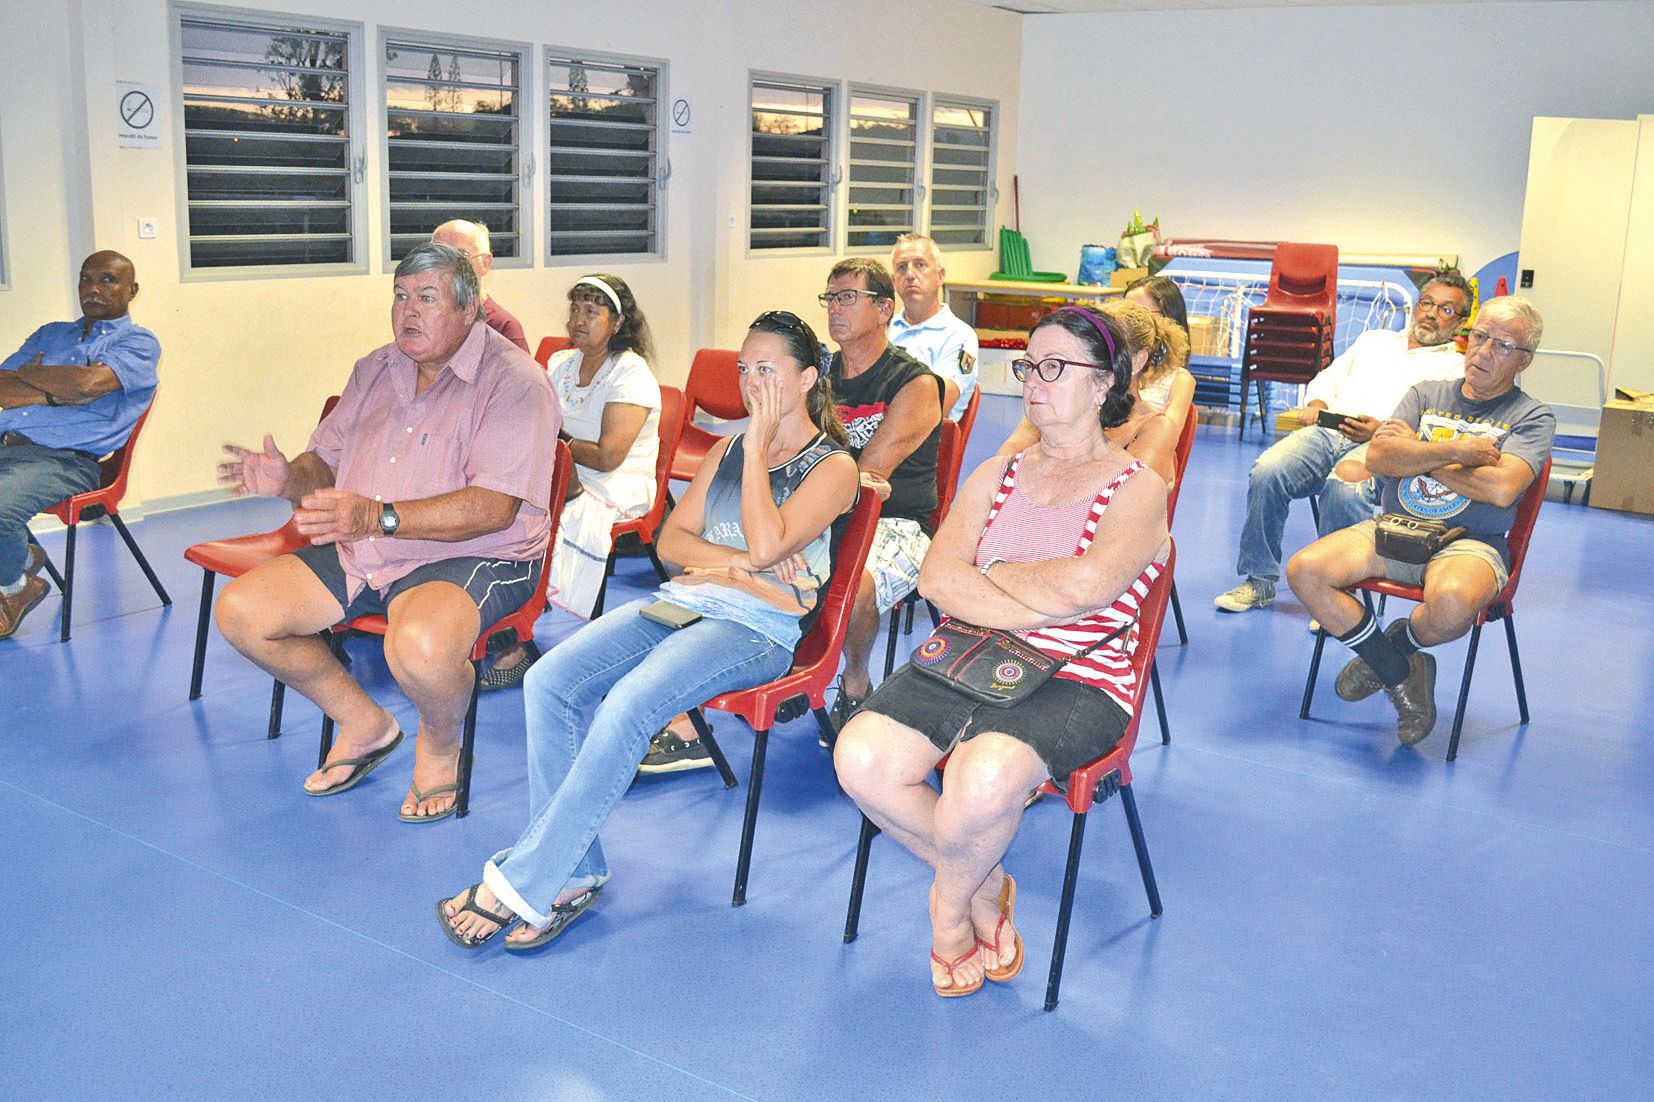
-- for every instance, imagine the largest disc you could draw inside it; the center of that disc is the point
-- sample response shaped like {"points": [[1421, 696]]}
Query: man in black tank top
{"points": [[891, 405]]}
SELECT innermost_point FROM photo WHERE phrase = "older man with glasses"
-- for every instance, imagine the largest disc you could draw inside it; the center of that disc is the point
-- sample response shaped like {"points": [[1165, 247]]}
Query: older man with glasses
{"points": [[1463, 452], [1362, 387], [892, 406]]}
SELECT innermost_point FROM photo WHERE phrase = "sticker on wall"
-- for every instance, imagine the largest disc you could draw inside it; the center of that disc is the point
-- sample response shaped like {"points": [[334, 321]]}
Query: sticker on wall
{"points": [[680, 116], [136, 125]]}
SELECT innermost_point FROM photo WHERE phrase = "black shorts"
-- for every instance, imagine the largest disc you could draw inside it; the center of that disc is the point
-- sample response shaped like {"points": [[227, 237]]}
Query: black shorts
{"points": [[498, 587], [1066, 723]]}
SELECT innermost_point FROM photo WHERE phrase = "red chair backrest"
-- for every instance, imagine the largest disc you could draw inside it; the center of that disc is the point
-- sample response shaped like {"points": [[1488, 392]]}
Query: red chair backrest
{"points": [[967, 419], [950, 454], [113, 471], [1180, 462], [548, 347], [671, 427], [1304, 271], [714, 385], [1521, 528], [826, 637]]}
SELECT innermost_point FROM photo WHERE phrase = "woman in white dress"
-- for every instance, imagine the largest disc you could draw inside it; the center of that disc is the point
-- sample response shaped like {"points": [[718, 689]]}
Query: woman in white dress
{"points": [[611, 421]]}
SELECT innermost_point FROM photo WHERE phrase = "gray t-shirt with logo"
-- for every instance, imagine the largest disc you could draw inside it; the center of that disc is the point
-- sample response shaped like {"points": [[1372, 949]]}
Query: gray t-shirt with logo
{"points": [[1439, 411]]}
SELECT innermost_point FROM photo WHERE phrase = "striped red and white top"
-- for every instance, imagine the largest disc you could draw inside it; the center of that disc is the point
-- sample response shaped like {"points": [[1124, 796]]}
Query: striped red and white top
{"points": [[1022, 530]]}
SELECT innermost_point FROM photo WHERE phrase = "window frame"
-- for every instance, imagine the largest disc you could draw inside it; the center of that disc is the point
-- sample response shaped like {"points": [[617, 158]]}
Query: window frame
{"points": [[991, 180], [918, 209], [834, 91], [357, 149], [5, 236], [526, 59], [553, 54]]}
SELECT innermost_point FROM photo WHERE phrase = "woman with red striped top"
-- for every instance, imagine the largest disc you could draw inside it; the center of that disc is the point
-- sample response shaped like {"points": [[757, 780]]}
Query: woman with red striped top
{"points": [[1057, 544]]}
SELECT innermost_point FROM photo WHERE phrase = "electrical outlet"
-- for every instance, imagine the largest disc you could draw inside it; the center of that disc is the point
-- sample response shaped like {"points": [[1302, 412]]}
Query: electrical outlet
{"points": [[147, 229]]}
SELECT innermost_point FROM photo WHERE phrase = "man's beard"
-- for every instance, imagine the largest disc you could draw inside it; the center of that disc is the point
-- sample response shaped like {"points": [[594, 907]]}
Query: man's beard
{"points": [[1429, 336]]}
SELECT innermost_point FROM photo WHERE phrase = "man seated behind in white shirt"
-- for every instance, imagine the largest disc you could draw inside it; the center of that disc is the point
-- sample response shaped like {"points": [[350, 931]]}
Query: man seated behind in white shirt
{"points": [[1364, 384], [926, 329]]}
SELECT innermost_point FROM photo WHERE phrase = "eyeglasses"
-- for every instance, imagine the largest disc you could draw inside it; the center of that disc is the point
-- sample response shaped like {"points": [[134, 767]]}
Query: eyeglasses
{"points": [[1049, 369], [1443, 309], [844, 299], [1502, 347]]}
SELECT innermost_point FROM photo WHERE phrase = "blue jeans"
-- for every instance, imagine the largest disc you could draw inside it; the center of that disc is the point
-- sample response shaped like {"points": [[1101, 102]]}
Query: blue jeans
{"points": [[1293, 468], [32, 479], [592, 704]]}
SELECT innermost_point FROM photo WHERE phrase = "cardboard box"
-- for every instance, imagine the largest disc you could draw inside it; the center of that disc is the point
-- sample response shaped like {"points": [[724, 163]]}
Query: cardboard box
{"points": [[1623, 478], [1208, 336], [1124, 277]]}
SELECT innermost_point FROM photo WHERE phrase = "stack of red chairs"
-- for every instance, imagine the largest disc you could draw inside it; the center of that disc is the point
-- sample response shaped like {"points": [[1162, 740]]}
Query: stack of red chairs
{"points": [[1289, 337]]}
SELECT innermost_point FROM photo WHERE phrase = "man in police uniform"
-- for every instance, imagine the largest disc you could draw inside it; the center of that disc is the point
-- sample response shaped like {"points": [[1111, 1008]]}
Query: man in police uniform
{"points": [[926, 329]]}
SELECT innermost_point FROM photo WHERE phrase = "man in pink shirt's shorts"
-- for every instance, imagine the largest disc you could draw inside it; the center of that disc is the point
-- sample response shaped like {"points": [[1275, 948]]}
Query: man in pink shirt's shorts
{"points": [[424, 495]]}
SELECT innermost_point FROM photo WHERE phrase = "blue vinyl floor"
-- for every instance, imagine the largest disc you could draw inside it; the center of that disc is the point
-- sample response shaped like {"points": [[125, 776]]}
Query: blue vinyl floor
{"points": [[1344, 917]]}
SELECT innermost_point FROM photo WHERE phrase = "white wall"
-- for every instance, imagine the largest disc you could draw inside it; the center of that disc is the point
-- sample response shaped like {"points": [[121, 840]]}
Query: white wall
{"points": [[245, 356], [1390, 129]]}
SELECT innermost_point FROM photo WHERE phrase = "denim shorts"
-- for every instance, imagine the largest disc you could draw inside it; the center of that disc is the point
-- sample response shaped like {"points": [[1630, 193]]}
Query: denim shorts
{"points": [[1408, 573], [1066, 723], [498, 587]]}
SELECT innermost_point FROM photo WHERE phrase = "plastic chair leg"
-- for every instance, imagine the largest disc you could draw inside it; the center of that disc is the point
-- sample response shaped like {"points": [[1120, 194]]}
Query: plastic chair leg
{"points": [[890, 638], [660, 570], [143, 563], [68, 585], [1516, 665], [825, 723], [1159, 703], [51, 567], [1128, 801], [202, 621], [1245, 386], [1314, 669], [907, 627], [858, 881], [278, 697], [716, 752], [603, 586], [1464, 691], [1071, 877], [1177, 614], [755, 784], [467, 747], [1315, 511]]}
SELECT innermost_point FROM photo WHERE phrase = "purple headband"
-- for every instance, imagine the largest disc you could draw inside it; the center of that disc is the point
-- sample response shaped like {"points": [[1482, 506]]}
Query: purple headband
{"points": [[1097, 323]]}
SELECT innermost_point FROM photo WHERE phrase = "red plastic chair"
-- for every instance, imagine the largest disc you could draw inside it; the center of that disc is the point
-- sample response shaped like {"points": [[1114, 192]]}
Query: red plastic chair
{"points": [[647, 526], [232, 558], [114, 470], [1180, 465], [804, 687], [714, 385], [1289, 337], [950, 464], [1091, 784], [1500, 608], [520, 621], [550, 346]]}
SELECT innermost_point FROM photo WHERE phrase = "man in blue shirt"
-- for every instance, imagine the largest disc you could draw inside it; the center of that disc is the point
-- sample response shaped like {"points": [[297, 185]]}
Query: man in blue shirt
{"points": [[926, 329], [69, 396]]}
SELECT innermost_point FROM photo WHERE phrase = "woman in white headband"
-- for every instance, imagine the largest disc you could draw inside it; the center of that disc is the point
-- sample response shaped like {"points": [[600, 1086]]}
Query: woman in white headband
{"points": [[611, 419]]}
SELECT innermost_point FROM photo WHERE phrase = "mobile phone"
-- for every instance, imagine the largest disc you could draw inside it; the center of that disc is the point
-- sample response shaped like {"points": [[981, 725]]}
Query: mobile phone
{"points": [[673, 616], [1327, 419]]}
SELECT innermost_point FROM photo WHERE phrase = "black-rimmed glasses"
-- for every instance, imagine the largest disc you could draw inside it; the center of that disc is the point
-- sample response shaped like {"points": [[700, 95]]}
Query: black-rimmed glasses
{"points": [[1441, 309], [1049, 369]]}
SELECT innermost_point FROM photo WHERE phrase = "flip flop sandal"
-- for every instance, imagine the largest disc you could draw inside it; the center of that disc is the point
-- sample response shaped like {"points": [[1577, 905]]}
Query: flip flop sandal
{"points": [[1007, 908], [496, 678], [953, 991], [561, 915], [421, 797], [465, 941], [363, 766]]}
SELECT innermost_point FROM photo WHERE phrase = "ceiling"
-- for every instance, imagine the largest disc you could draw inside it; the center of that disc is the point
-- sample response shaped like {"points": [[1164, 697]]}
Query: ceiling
{"points": [[1052, 7]]}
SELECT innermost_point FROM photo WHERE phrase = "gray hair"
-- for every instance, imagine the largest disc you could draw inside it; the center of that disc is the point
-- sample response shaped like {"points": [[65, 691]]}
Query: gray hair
{"points": [[919, 241], [462, 279], [1518, 310]]}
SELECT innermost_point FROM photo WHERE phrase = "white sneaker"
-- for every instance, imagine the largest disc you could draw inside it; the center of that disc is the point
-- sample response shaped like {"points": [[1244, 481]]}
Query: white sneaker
{"points": [[1250, 594]]}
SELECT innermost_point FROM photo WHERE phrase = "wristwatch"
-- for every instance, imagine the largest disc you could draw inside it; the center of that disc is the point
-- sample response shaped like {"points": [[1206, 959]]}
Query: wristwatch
{"points": [[989, 565], [389, 519]]}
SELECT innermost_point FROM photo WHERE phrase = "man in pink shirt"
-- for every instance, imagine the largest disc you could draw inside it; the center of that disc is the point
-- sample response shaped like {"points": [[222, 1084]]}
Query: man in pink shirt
{"points": [[424, 496]]}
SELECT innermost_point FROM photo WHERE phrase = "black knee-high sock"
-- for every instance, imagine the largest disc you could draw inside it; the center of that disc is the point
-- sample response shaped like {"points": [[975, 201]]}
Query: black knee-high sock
{"points": [[1376, 649], [1400, 634]]}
